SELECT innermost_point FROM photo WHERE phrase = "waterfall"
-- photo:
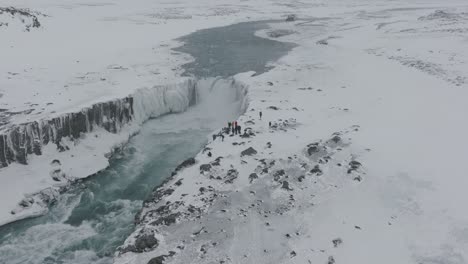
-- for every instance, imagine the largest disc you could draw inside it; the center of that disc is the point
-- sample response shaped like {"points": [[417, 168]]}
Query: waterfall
{"points": [[17, 142]]}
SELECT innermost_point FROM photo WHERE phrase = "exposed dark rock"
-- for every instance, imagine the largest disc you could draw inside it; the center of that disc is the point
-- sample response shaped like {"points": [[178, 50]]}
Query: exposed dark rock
{"points": [[279, 33], [354, 165], [252, 177], [144, 243], [205, 167], [316, 170], [322, 42], [232, 174], [161, 259], [155, 197], [55, 162], [37, 147], [62, 148], [206, 149], [285, 186], [19, 141], [186, 163], [26, 202], [337, 241], [199, 231], [56, 174], [336, 139], [273, 107], [216, 162], [331, 260], [277, 175], [248, 152], [292, 254], [23, 15], [301, 178], [166, 220], [313, 148], [291, 18], [247, 133], [178, 183]]}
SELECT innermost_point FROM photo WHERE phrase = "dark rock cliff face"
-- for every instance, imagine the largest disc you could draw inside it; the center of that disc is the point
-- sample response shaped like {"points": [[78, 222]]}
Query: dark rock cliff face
{"points": [[19, 141]]}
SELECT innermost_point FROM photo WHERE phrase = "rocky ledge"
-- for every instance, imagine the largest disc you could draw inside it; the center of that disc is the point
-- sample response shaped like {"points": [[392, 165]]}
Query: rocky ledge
{"points": [[245, 188]]}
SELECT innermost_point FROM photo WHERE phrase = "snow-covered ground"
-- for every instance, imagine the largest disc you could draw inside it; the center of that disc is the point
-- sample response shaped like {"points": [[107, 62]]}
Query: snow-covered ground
{"points": [[379, 86]]}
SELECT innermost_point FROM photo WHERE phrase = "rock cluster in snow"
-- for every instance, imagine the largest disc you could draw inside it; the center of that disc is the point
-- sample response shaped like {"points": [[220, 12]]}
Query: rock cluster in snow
{"points": [[272, 188], [28, 18]]}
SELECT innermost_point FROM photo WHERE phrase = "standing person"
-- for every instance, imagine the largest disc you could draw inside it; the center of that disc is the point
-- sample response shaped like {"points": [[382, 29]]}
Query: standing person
{"points": [[232, 129], [229, 126], [239, 129], [260, 115], [269, 124], [214, 137]]}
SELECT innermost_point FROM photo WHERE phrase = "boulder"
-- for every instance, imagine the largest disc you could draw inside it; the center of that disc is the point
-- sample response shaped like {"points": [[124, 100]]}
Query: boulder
{"points": [[277, 175], [144, 243], [337, 241], [336, 139], [205, 167], [248, 152], [252, 177], [313, 149], [285, 186], [316, 170], [291, 18], [272, 107], [160, 259], [232, 174]]}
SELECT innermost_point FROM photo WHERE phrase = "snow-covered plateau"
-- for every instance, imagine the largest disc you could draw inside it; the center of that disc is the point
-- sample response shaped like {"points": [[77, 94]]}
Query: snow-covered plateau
{"points": [[352, 149]]}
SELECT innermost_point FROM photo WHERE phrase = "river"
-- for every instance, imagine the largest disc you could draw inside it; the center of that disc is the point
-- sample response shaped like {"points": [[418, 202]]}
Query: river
{"points": [[90, 221]]}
